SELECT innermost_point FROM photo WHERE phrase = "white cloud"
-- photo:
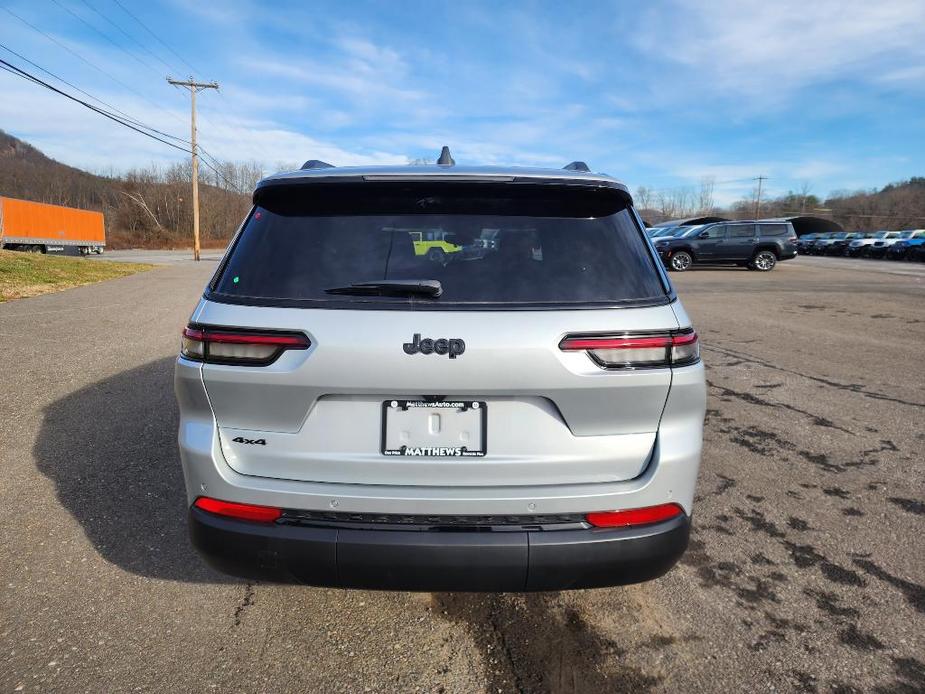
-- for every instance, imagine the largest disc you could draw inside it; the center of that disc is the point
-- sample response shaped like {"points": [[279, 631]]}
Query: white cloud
{"points": [[766, 50], [76, 136], [357, 69], [507, 85]]}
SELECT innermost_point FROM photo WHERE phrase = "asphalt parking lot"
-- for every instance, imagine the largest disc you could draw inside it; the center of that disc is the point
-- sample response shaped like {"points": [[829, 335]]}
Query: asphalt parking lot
{"points": [[806, 570]]}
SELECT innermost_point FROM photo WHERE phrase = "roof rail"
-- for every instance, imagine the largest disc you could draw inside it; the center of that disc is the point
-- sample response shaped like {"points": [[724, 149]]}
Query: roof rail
{"points": [[316, 164], [576, 166], [446, 159]]}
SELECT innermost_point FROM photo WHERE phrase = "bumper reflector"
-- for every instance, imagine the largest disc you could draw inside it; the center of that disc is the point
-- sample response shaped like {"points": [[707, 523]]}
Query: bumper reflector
{"points": [[634, 516], [231, 509]]}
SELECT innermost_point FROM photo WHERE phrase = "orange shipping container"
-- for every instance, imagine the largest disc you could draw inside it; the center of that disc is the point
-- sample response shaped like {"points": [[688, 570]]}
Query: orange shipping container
{"points": [[23, 221]]}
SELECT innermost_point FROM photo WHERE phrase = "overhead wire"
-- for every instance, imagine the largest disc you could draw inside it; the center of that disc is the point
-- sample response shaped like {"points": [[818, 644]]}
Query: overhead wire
{"points": [[122, 118], [9, 67], [156, 37], [104, 36], [94, 66], [218, 173], [129, 36], [91, 96], [12, 69]]}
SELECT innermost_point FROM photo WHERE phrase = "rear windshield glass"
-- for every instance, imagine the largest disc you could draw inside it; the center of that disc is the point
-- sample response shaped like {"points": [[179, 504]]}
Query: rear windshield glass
{"points": [[773, 229], [489, 245]]}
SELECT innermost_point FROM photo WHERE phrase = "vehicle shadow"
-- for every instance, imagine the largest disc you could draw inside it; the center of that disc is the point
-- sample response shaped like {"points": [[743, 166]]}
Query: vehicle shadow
{"points": [[705, 267], [110, 448]]}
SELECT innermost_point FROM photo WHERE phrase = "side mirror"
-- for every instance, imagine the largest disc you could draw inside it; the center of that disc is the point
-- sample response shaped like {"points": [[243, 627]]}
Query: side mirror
{"points": [[703, 235]]}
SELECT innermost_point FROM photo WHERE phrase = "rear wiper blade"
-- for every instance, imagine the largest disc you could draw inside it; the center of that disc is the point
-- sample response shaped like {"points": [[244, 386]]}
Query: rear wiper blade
{"points": [[390, 287]]}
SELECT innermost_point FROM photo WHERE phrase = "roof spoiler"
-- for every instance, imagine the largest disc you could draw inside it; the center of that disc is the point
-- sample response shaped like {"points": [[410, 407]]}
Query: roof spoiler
{"points": [[316, 164], [577, 166]]}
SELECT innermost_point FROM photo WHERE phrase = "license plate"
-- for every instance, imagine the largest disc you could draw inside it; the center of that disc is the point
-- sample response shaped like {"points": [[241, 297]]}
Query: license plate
{"points": [[442, 429]]}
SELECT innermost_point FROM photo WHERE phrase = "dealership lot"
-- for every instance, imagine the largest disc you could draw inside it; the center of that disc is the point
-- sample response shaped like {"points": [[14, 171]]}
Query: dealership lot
{"points": [[805, 570]]}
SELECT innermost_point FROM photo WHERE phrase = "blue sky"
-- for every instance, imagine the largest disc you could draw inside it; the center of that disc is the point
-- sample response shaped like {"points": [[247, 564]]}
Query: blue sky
{"points": [[661, 94]]}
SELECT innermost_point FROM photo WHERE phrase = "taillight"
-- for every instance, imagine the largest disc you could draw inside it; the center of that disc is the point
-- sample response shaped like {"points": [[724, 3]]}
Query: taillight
{"points": [[232, 509], [246, 347], [639, 351], [634, 516]]}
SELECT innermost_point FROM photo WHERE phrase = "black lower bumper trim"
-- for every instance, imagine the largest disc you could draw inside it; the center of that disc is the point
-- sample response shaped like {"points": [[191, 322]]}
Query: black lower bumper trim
{"points": [[439, 560]]}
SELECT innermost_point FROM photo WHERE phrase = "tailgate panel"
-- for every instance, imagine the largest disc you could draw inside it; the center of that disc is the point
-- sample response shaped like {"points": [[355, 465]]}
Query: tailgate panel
{"points": [[341, 441], [553, 417]]}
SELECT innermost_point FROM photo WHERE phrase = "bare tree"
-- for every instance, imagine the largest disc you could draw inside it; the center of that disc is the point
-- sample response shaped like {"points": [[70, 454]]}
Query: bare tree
{"points": [[804, 191], [705, 198], [643, 198]]}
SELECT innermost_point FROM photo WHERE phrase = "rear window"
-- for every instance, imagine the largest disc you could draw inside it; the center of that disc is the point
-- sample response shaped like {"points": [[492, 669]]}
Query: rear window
{"points": [[489, 245], [773, 229], [742, 231]]}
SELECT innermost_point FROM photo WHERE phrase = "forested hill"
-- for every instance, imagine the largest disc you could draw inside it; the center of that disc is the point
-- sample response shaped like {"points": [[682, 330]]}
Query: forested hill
{"points": [[143, 208], [895, 206]]}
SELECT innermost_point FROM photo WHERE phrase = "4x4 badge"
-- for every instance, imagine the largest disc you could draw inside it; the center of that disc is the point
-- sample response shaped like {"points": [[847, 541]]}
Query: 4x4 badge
{"points": [[451, 346], [252, 442]]}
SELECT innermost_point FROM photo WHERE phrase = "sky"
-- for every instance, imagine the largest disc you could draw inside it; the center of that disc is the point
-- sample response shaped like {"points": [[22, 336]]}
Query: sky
{"points": [[824, 94]]}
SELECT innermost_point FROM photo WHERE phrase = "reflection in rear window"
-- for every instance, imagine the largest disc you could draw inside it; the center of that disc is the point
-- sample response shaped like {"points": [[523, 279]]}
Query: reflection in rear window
{"points": [[500, 246]]}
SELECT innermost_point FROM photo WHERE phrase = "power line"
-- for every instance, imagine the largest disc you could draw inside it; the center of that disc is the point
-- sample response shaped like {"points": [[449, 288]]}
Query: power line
{"points": [[88, 94], [228, 183], [9, 67], [156, 37], [213, 162], [760, 180], [128, 36], [209, 160], [94, 66], [105, 37]]}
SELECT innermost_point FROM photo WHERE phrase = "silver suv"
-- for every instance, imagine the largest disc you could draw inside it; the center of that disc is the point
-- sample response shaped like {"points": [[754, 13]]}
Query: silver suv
{"points": [[521, 411]]}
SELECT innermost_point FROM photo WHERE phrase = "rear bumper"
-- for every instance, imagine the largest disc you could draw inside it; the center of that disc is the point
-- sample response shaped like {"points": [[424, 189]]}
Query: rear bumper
{"points": [[510, 560]]}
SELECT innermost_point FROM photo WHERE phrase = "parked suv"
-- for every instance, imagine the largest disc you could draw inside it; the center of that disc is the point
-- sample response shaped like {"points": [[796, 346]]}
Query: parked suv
{"points": [[862, 247], [840, 242], [824, 244], [881, 246], [354, 414], [804, 242], [902, 248], [758, 245], [818, 244]]}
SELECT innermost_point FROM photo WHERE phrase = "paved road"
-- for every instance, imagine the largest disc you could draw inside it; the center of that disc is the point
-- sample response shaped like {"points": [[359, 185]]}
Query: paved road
{"points": [[805, 572], [182, 257]]}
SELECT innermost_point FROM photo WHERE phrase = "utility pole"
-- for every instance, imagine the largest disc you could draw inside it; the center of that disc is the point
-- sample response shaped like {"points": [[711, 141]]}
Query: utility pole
{"points": [[194, 87], [757, 200]]}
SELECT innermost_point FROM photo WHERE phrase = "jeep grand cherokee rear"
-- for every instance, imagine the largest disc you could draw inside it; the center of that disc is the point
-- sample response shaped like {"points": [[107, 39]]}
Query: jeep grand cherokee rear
{"points": [[525, 415]]}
